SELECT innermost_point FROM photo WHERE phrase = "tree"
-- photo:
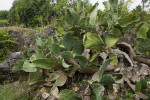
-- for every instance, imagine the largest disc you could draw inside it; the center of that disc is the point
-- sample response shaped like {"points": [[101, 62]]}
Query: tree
{"points": [[3, 14], [30, 12], [144, 2]]}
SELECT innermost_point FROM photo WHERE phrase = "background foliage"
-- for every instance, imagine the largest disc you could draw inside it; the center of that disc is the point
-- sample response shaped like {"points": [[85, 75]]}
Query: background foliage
{"points": [[6, 44]]}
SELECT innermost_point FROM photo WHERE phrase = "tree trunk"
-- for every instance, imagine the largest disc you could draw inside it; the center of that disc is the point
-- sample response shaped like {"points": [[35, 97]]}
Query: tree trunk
{"points": [[143, 2]]}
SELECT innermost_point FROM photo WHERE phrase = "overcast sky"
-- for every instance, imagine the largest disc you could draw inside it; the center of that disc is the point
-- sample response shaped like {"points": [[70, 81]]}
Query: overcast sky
{"points": [[6, 4]]}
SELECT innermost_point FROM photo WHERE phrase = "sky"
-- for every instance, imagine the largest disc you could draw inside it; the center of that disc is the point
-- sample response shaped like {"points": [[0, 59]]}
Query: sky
{"points": [[6, 4]]}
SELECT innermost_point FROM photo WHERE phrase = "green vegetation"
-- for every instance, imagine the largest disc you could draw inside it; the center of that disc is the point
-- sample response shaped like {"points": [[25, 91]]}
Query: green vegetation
{"points": [[30, 12], [6, 45], [4, 23], [37, 13], [3, 14], [80, 28], [14, 91], [63, 57], [3, 18]]}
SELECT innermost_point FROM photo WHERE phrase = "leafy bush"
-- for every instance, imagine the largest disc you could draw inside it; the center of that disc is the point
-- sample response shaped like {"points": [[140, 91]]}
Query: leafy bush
{"points": [[142, 42], [54, 54], [3, 14], [31, 13], [63, 54], [6, 44], [4, 23]]}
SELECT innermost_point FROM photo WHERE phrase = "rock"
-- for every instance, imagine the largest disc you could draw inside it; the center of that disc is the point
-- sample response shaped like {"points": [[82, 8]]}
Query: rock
{"points": [[8, 63], [32, 50], [21, 38], [49, 31]]}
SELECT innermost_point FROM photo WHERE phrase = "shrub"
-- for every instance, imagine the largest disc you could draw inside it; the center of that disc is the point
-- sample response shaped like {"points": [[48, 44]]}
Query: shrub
{"points": [[3, 14], [6, 44], [4, 23], [31, 13], [62, 55]]}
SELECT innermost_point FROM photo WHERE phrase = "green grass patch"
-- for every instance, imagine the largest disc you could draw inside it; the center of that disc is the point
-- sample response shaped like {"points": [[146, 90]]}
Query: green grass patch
{"points": [[14, 91]]}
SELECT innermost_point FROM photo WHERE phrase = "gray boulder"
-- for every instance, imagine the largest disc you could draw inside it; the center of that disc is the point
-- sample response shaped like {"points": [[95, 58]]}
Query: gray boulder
{"points": [[8, 63]]}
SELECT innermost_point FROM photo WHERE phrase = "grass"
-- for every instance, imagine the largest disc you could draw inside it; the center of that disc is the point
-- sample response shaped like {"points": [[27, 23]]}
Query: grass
{"points": [[14, 91]]}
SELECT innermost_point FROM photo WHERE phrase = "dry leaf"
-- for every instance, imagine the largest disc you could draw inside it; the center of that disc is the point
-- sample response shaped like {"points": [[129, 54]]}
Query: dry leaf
{"points": [[129, 83], [49, 84], [103, 55], [53, 76], [136, 97], [142, 96], [75, 89], [95, 76], [41, 91], [112, 94], [59, 78], [117, 51], [86, 53], [144, 70], [128, 48], [117, 69], [54, 91], [110, 68], [139, 71], [51, 98], [87, 93], [45, 95]]}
